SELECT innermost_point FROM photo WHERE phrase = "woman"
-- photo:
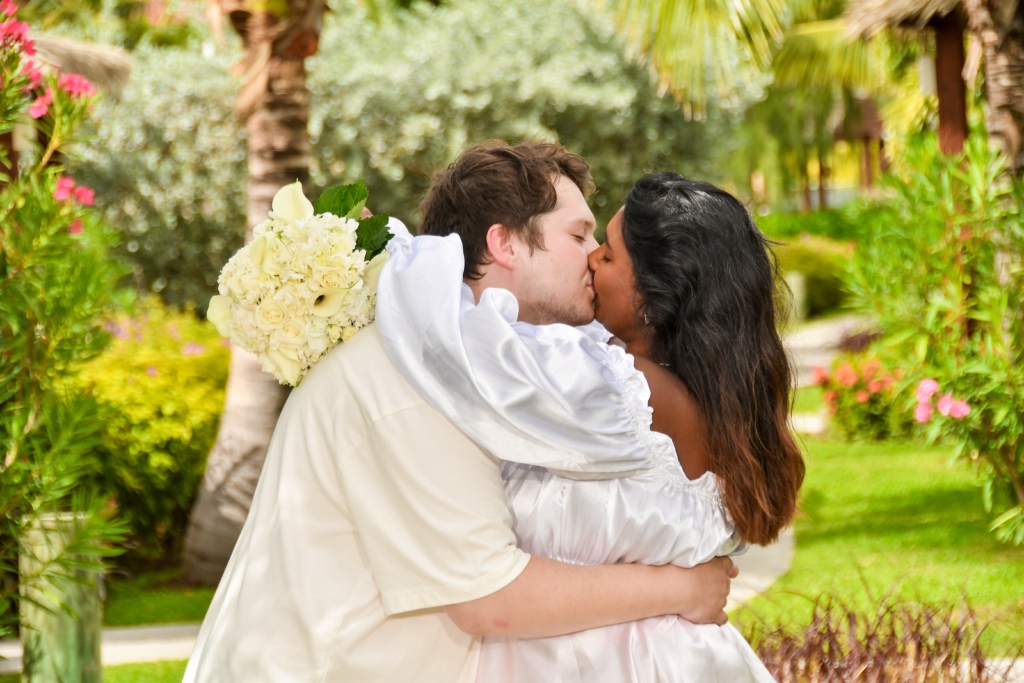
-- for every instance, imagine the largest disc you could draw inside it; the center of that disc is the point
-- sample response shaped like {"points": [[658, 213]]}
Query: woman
{"points": [[685, 281]]}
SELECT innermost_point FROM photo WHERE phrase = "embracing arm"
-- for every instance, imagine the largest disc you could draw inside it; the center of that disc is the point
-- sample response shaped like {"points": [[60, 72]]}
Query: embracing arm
{"points": [[552, 598]]}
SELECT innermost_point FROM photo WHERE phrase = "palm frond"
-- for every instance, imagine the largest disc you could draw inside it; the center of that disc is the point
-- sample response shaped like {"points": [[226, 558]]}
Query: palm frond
{"points": [[688, 41], [821, 54]]}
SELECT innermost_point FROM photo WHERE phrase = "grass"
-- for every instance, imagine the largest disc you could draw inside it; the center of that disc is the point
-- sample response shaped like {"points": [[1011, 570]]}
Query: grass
{"points": [[147, 672], [154, 598], [901, 517], [808, 400]]}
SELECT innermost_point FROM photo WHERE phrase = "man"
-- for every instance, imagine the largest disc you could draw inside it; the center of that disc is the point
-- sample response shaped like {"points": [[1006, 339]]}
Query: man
{"points": [[378, 545]]}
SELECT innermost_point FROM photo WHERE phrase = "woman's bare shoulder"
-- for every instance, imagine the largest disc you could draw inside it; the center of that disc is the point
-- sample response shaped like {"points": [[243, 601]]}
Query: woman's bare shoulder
{"points": [[677, 415]]}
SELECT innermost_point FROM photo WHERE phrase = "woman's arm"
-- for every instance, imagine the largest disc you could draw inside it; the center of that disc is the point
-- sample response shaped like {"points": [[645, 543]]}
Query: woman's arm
{"points": [[551, 598]]}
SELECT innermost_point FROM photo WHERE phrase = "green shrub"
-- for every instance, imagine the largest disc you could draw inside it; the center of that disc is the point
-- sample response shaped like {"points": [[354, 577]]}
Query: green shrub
{"points": [[849, 222], [391, 102], [944, 278], [161, 385], [863, 398], [57, 282], [822, 262]]}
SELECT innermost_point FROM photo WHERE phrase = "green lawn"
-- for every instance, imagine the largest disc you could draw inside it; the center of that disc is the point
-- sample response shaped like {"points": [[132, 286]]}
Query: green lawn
{"points": [[808, 400], [892, 514], [154, 598], [149, 672]]}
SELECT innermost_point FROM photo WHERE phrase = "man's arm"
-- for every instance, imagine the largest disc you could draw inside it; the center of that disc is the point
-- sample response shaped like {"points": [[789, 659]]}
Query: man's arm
{"points": [[551, 598]]}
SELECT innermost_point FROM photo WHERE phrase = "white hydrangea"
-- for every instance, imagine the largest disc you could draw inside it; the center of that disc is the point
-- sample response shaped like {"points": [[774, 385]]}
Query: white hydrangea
{"points": [[297, 289]]}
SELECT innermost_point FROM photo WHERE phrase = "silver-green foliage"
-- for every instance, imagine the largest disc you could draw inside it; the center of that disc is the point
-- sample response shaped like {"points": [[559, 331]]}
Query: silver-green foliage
{"points": [[391, 102]]}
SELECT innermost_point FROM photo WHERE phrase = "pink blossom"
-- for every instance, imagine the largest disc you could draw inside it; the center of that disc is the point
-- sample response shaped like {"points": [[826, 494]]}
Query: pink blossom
{"points": [[116, 330], [960, 410], [85, 195], [926, 389], [193, 349], [76, 85], [875, 386], [862, 396], [820, 375], [13, 31], [829, 397], [34, 76], [945, 404], [845, 374], [76, 227], [40, 106], [8, 8], [923, 412], [151, 371], [64, 187]]}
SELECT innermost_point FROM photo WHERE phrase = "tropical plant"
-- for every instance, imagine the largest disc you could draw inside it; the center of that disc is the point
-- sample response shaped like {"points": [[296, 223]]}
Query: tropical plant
{"points": [[689, 42], [862, 398], [56, 283], [944, 278], [160, 388]]}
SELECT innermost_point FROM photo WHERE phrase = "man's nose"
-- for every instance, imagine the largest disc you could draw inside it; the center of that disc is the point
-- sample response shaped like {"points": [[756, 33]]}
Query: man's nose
{"points": [[592, 246]]}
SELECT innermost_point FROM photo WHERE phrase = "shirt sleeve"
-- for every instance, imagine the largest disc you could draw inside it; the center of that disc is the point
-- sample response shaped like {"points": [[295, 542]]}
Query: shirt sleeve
{"points": [[430, 509]]}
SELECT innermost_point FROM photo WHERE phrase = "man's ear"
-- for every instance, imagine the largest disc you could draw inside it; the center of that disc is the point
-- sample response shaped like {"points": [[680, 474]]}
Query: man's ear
{"points": [[502, 246]]}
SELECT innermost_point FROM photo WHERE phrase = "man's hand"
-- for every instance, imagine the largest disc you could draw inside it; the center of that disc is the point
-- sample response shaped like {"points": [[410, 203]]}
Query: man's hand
{"points": [[551, 598], [705, 591]]}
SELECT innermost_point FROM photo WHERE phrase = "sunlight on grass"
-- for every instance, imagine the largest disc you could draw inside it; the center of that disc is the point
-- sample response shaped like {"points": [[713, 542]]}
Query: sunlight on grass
{"points": [[808, 400], [881, 516], [143, 672], [154, 598]]}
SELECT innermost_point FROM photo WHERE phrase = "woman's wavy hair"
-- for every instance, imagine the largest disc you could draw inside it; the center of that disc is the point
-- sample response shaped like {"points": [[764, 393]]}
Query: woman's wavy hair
{"points": [[705, 278]]}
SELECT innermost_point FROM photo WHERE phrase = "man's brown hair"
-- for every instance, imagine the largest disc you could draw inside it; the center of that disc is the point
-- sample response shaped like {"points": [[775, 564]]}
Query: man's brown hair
{"points": [[494, 182]]}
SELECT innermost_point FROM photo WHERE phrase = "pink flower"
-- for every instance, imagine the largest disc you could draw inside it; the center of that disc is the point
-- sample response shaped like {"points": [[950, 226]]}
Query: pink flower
{"points": [[64, 187], [926, 389], [8, 8], [151, 371], [960, 409], [34, 76], [923, 412], [870, 368], [85, 195], [193, 349], [76, 85], [829, 397], [76, 227], [40, 106], [820, 376], [845, 374], [945, 404], [875, 385], [862, 396]]}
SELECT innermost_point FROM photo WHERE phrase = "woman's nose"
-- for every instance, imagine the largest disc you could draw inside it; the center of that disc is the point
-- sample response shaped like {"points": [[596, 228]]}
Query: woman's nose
{"points": [[594, 256]]}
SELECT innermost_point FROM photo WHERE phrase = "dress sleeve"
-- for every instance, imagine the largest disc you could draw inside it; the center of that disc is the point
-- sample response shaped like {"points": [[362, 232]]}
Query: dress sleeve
{"points": [[430, 510]]}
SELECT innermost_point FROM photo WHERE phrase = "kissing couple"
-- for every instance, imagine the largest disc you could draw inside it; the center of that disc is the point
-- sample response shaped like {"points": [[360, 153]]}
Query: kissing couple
{"points": [[487, 484]]}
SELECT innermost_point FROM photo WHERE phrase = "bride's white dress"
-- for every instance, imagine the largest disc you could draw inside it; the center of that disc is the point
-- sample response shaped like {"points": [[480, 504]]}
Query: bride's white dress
{"points": [[587, 480]]}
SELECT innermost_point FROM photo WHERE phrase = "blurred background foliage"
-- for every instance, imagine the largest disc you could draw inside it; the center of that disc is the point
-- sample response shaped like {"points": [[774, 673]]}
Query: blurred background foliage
{"points": [[392, 102]]}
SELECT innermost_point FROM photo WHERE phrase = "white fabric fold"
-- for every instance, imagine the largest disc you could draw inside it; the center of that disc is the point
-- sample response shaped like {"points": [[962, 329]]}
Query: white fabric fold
{"points": [[552, 396]]}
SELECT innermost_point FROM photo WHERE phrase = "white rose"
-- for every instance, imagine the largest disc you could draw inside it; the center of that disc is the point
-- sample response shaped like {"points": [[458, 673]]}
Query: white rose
{"points": [[291, 333], [270, 315], [219, 313]]}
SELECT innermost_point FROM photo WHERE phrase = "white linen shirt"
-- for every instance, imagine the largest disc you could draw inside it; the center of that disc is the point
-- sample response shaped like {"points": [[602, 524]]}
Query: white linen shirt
{"points": [[372, 512]]}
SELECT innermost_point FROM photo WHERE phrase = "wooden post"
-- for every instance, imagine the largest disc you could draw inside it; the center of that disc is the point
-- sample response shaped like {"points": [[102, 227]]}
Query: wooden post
{"points": [[822, 177], [58, 647], [949, 67]]}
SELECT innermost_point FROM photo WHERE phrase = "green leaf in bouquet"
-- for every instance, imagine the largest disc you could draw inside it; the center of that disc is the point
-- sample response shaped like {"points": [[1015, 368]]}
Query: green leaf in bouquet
{"points": [[373, 235], [344, 201]]}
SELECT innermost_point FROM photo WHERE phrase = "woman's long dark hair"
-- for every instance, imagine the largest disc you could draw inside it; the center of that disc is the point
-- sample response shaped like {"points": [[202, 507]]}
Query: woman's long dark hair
{"points": [[705, 278]]}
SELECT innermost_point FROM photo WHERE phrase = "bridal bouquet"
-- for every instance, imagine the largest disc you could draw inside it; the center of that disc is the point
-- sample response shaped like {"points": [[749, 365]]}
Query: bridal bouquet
{"points": [[306, 281]]}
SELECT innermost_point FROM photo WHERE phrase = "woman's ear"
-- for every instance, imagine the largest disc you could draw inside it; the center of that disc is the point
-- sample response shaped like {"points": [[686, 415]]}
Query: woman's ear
{"points": [[501, 245]]}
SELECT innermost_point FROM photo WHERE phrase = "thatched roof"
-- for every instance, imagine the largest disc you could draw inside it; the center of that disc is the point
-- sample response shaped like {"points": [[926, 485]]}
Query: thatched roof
{"points": [[865, 18], [106, 67]]}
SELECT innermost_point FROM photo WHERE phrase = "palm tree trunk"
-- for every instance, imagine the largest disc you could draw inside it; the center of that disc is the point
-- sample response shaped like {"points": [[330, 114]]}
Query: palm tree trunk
{"points": [[999, 27], [279, 153]]}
